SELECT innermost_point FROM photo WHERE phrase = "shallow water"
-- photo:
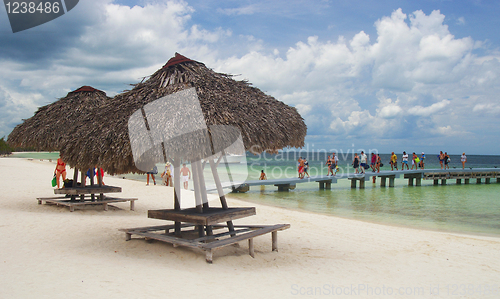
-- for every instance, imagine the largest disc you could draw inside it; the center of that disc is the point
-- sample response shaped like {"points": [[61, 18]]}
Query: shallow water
{"points": [[472, 208]]}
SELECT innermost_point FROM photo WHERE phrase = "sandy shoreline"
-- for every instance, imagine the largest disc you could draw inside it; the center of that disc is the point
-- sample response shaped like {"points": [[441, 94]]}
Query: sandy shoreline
{"points": [[48, 252]]}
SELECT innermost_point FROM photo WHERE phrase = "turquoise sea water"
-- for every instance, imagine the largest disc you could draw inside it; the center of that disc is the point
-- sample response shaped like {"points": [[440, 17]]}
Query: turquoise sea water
{"points": [[473, 208]]}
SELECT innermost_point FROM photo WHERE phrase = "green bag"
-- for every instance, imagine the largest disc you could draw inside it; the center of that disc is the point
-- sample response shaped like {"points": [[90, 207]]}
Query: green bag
{"points": [[54, 181]]}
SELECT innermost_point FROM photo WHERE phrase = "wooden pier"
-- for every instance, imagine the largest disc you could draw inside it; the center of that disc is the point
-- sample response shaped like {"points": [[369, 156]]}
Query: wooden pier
{"points": [[414, 178]]}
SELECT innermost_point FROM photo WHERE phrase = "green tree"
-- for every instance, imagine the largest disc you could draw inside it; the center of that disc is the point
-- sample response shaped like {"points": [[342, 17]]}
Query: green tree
{"points": [[5, 149]]}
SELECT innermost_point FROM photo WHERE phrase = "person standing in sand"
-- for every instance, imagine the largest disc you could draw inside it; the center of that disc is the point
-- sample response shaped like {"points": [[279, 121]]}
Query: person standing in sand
{"points": [[152, 174], [186, 175], [60, 171], [463, 159]]}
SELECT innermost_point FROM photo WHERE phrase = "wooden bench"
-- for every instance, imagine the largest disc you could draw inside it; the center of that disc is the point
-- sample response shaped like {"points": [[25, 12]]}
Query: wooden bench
{"points": [[64, 201], [209, 243]]}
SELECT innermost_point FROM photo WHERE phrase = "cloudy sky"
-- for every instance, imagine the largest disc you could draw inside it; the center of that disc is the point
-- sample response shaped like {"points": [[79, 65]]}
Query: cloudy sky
{"points": [[386, 75]]}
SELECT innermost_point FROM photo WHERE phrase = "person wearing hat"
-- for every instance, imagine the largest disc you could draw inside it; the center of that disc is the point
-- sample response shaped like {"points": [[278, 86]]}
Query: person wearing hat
{"points": [[167, 174]]}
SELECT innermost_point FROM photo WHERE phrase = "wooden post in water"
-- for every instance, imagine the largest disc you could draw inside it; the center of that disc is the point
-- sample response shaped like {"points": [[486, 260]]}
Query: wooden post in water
{"points": [[443, 182], [410, 181], [459, 181], [391, 181], [418, 181], [382, 181], [436, 182], [362, 183], [353, 184], [478, 181], [466, 181]]}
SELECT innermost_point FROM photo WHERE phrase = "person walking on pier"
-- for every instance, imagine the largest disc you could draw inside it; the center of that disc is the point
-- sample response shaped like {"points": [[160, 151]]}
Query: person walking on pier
{"points": [[463, 159], [329, 165], [263, 176], [394, 161], [335, 163], [306, 167], [447, 161], [355, 163], [301, 168], [422, 158], [415, 161], [363, 162], [404, 161], [441, 158], [379, 163]]}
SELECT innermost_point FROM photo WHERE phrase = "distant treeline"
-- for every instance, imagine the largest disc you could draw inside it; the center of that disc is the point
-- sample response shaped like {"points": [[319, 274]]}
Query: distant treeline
{"points": [[5, 149]]}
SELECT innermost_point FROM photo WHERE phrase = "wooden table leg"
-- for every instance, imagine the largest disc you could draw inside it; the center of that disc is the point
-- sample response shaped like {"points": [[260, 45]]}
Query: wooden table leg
{"points": [[208, 256], [274, 236], [250, 247]]}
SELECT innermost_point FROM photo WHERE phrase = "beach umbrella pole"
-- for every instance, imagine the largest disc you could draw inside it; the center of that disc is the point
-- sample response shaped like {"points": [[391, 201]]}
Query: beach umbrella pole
{"points": [[220, 191], [203, 192], [177, 192]]}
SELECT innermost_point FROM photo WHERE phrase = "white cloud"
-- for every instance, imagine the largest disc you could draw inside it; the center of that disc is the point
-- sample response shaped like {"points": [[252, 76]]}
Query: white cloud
{"points": [[382, 86], [430, 110]]}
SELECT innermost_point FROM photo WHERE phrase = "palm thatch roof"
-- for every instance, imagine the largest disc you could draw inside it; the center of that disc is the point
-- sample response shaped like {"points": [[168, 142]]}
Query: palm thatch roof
{"points": [[265, 123], [52, 124]]}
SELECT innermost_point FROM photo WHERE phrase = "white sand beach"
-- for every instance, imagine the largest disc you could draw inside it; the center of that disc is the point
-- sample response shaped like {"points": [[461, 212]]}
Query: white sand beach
{"points": [[48, 252]]}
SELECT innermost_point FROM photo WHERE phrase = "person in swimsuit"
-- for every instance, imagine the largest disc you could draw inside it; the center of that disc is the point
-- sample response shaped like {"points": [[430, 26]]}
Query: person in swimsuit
{"points": [[263, 176], [329, 165], [441, 158], [463, 159], [301, 168], [373, 162], [422, 158], [379, 161], [60, 171], [185, 175], [355, 163]]}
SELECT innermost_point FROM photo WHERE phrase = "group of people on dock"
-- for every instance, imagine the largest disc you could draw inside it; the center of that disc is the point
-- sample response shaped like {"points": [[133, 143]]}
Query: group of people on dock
{"points": [[359, 163], [416, 161]]}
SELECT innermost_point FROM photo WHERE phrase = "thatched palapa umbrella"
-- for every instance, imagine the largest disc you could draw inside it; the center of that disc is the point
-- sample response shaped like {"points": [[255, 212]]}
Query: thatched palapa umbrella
{"points": [[52, 124], [218, 108], [265, 123]]}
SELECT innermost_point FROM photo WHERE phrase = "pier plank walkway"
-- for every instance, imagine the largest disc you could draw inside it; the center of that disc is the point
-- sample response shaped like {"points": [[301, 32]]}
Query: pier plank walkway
{"points": [[417, 175]]}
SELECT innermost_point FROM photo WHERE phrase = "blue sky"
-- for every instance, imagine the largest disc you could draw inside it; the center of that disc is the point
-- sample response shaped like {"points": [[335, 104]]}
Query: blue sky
{"points": [[385, 75]]}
